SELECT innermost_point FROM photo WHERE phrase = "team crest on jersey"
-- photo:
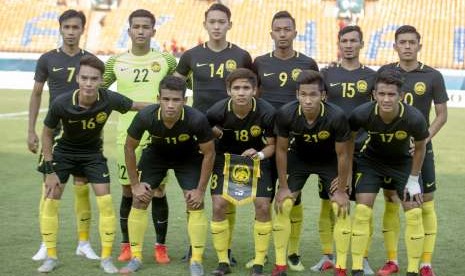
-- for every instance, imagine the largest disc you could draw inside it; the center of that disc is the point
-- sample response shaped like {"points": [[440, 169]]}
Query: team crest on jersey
{"points": [[155, 67], [231, 65], [419, 88], [295, 73], [241, 174], [400, 135], [255, 131], [362, 86], [323, 135], [101, 117], [183, 137]]}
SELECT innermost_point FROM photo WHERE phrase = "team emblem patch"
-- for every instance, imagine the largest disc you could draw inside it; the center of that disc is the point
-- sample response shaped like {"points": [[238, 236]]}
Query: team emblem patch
{"points": [[240, 174], [156, 67], [419, 88], [362, 86], [295, 73], [323, 135], [240, 178], [101, 117], [231, 65], [255, 131], [183, 137], [400, 135]]}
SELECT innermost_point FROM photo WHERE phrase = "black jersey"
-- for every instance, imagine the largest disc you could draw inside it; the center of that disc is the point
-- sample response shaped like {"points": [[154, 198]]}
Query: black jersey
{"points": [[208, 70], [180, 141], [59, 70], [421, 87], [313, 143], [389, 143], [242, 134], [82, 128], [277, 77]]}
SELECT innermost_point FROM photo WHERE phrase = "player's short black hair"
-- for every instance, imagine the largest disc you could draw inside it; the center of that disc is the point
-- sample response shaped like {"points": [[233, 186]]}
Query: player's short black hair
{"points": [[173, 83], [241, 73], [92, 61], [283, 14], [142, 13], [219, 7], [389, 77], [349, 29], [407, 29], [72, 14], [310, 77]]}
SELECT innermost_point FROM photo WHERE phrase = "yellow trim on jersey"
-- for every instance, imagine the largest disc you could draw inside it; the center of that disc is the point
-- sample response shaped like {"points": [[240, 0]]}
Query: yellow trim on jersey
{"points": [[160, 118], [75, 97], [322, 110], [254, 105], [401, 107]]}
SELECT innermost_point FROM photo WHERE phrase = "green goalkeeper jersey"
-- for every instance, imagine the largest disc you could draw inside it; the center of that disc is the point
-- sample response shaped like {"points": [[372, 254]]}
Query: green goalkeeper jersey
{"points": [[138, 78]]}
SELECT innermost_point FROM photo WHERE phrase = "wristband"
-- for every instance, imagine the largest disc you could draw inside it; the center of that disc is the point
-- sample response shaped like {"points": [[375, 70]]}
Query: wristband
{"points": [[261, 155], [48, 167]]}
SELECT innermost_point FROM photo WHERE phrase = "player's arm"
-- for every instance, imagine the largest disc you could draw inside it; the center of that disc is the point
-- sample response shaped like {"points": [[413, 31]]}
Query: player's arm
{"points": [[136, 106], [141, 191], [344, 159], [179, 75], [282, 143], [266, 152], [183, 67], [34, 105], [109, 76], [52, 182], [439, 120], [413, 187]]}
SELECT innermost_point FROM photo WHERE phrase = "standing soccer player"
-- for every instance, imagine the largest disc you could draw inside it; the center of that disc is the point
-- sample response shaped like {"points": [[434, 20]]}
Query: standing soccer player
{"points": [[348, 84], [312, 137], [58, 68], [138, 73], [182, 140], [390, 124], [422, 87], [244, 128], [277, 73], [78, 150]]}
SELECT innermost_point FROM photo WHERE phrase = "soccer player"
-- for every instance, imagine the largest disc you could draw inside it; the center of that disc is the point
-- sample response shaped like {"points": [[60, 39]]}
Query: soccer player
{"points": [[390, 124], [58, 68], [177, 133], [137, 73], [207, 66], [318, 137], [78, 150], [422, 87], [244, 127], [348, 84], [277, 72]]}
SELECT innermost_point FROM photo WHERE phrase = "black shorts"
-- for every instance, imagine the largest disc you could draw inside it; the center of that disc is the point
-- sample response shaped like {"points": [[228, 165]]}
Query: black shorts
{"points": [[372, 175], [428, 173], [153, 169], [265, 186], [299, 170], [91, 166]]}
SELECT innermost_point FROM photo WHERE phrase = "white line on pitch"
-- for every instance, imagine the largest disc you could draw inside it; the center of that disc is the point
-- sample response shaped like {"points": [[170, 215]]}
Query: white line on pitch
{"points": [[15, 114]]}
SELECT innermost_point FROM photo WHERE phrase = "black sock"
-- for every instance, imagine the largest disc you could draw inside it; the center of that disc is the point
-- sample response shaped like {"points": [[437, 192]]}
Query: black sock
{"points": [[298, 200], [160, 217], [124, 209]]}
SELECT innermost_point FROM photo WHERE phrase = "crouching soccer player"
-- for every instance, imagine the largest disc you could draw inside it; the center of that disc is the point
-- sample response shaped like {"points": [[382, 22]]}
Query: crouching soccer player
{"points": [[177, 134], [390, 125], [79, 151]]}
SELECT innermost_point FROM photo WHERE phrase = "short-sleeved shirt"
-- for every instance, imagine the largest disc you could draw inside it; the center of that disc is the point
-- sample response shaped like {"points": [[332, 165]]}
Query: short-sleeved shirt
{"points": [[242, 134], [208, 70], [138, 78], [422, 87], [82, 128], [59, 70], [277, 77], [313, 143], [389, 143], [180, 141]]}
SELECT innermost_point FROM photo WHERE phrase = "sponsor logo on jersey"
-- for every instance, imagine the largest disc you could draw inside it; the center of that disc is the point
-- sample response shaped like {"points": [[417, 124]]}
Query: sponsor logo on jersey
{"points": [[231, 65], [419, 88], [295, 73], [400, 135], [255, 131], [101, 117], [362, 86], [323, 135]]}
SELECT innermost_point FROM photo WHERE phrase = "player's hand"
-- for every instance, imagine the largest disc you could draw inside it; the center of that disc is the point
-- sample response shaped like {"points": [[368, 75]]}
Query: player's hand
{"points": [[281, 195], [334, 185], [249, 153], [194, 198], [32, 142], [342, 200], [413, 189], [52, 185], [142, 192]]}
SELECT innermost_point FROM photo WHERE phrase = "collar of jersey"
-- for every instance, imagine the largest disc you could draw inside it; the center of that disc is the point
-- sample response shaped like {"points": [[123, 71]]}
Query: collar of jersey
{"points": [[401, 106], [420, 66], [75, 96], [254, 104], [322, 110], [159, 114]]}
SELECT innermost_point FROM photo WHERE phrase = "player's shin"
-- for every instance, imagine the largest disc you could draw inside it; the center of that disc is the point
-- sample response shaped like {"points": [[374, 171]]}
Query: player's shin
{"points": [[107, 221], [325, 227], [430, 224], [391, 229], [197, 229], [281, 231], [137, 225], [360, 233], [82, 210], [231, 217], [49, 226], [296, 217], [262, 235], [221, 236], [342, 236], [414, 238]]}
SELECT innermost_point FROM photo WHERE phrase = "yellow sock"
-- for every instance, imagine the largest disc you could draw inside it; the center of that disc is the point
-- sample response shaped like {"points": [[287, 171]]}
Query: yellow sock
{"points": [[391, 229], [360, 233], [107, 226], [281, 231], [82, 210], [49, 225], [220, 236], [137, 224], [370, 237], [342, 235], [296, 229], [430, 224], [231, 217], [414, 238], [325, 227], [197, 230], [262, 235]]}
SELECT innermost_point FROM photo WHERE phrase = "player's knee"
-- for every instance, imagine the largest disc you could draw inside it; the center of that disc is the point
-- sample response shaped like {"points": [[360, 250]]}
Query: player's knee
{"points": [[139, 204], [413, 217], [428, 197], [159, 191], [262, 211], [362, 214]]}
